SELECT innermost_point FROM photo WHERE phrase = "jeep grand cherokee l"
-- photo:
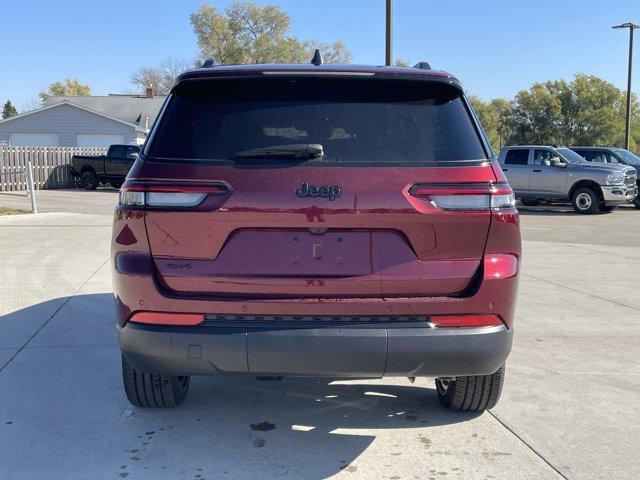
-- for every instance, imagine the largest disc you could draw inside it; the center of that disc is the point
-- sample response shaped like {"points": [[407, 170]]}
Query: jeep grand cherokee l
{"points": [[308, 220]]}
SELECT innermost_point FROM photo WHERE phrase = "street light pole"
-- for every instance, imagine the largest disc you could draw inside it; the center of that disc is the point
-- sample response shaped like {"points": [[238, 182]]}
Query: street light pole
{"points": [[389, 34], [627, 128]]}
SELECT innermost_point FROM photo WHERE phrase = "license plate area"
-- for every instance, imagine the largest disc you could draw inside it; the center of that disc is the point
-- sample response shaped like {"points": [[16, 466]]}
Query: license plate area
{"points": [[296, 253]]}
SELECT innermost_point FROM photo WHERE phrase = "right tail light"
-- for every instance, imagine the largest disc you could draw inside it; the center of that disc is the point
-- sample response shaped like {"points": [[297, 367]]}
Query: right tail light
{"points": [[467, 196]]}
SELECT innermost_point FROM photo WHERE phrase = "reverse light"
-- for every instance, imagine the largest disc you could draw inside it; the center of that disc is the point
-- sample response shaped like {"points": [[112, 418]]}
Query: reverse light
{"points": [[131, 197], [505, 200], [167, 195], [461, 202]]}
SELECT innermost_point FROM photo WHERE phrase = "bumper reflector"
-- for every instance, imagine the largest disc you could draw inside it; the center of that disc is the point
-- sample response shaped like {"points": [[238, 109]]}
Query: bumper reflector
{"points": [[162, 318], [500, 265], [465, 321]]}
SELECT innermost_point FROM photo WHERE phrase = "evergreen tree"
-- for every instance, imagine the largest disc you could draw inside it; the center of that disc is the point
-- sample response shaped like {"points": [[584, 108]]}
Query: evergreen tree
{"points": [[8, 110]]}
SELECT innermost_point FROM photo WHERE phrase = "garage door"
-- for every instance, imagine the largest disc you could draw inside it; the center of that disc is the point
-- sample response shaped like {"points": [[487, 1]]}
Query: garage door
{"points": [[98, 139], [33, 139]]}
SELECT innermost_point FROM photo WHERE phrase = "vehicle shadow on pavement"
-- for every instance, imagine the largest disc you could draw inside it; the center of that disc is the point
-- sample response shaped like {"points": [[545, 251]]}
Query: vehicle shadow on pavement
{"points": [[549, 211], [308, 427], [232, 426], [557, 210]]}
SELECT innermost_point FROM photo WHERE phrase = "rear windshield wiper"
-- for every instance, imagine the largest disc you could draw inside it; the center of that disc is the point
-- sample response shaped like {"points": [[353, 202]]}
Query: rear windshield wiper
{"points": [[296, 150]]}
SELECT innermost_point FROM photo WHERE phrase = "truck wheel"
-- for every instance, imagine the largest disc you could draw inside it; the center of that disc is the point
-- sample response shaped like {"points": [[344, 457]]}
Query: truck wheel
{"points": [[90, 180], [585, 201], [153, 390], [636, 202], [530, 202], [475, 393]]}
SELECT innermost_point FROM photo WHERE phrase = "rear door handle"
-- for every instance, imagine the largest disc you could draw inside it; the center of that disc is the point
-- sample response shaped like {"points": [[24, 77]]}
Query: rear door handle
{"points": [[536, 170], [505, 169]]}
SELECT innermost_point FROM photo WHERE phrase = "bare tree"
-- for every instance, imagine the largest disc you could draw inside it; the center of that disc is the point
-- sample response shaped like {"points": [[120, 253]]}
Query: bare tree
{"points": [[162, 77], [31, 104], [336, 52]]}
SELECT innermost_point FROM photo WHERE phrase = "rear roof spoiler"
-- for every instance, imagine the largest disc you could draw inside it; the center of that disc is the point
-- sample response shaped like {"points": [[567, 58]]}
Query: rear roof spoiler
{"points": [[266, 71]]}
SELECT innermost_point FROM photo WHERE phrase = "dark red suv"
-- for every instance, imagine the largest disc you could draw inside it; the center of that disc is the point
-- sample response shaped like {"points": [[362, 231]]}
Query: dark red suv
{"points": [[306, 220]]}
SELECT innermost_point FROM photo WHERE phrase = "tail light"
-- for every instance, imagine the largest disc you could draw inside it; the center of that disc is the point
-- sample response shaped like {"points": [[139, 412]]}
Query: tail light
{"points": [[467, 197], [168, 195]]}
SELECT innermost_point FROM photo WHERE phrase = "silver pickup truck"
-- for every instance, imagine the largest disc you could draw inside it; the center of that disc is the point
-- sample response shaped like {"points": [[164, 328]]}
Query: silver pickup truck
{"points": [[545, 173]]}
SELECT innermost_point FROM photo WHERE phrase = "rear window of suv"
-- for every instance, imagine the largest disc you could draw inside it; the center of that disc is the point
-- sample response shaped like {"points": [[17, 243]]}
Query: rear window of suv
{"points": [[355, 120]]}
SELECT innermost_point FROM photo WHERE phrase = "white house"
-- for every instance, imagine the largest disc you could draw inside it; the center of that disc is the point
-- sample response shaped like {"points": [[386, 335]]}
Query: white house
{"points": [[88, 121]]}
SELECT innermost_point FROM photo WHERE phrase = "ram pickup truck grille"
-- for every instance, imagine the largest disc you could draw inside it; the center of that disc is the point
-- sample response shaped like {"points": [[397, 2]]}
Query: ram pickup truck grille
{"points": [[630, 179]]}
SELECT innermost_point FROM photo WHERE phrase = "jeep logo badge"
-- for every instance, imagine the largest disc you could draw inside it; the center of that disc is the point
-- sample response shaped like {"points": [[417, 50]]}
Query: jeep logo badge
{"points": [[325, 191]]}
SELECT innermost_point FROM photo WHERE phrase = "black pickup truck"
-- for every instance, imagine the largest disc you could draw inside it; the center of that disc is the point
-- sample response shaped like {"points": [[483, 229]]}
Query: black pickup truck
{"points": [[110, 168]]}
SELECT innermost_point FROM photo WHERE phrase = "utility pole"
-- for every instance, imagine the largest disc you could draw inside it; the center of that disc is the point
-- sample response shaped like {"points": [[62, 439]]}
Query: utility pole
{"points": [[627, 128], [389, 34]]}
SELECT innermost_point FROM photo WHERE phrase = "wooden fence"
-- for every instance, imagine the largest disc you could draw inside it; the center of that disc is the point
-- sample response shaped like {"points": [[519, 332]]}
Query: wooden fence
{"points": [[50, 166]]}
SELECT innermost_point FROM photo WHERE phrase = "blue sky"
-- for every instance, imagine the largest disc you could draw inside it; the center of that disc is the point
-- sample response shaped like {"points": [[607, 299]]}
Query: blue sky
{"points": [[495, 47]]}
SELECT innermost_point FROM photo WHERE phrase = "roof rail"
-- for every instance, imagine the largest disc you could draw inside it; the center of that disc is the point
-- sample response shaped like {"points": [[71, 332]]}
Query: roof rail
{"points": [[209, 62], [422, 66]]}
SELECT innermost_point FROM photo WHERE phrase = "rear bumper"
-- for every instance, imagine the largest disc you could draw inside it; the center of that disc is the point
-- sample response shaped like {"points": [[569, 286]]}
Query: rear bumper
{"points": [[316, 350], [618, 194]]}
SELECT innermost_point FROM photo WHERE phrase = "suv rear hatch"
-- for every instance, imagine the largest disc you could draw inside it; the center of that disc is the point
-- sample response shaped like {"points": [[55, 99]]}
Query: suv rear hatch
{"points": [[396, 205]]}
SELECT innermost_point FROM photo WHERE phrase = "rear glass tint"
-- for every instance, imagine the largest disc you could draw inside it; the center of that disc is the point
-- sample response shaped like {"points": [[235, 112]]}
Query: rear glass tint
{"points": [[361, 121], [517, 156]]}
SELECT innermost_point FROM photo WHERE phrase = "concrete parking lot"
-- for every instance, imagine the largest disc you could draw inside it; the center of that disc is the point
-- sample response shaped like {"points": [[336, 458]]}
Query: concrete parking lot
{"points": [[98, 202], [569, 409]]}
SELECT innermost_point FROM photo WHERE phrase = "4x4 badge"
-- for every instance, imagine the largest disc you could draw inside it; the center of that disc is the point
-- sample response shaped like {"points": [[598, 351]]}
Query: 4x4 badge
{"points": [[325, 191]]}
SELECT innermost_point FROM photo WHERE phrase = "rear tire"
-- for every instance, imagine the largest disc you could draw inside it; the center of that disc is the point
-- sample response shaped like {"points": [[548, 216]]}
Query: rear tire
{"points": [[636, 202], [89, 180], [153, 390], [471, 394], [585, 201], [530, 202]]}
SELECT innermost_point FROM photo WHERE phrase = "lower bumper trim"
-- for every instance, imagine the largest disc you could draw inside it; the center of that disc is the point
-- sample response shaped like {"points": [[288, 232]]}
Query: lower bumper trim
{"points": [[316, 350]]}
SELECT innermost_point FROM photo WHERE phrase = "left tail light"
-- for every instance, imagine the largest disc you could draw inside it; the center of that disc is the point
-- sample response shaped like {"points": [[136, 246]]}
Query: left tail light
{"points": [[167, 195]]}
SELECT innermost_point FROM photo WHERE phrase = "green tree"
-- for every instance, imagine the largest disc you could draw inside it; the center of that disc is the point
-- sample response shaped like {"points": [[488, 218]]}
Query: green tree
{"points": [[495, 119], [593, 111], [8, 110], [400, 62], [68, 87], [586, 111], [536, 116], [247, 33]]}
